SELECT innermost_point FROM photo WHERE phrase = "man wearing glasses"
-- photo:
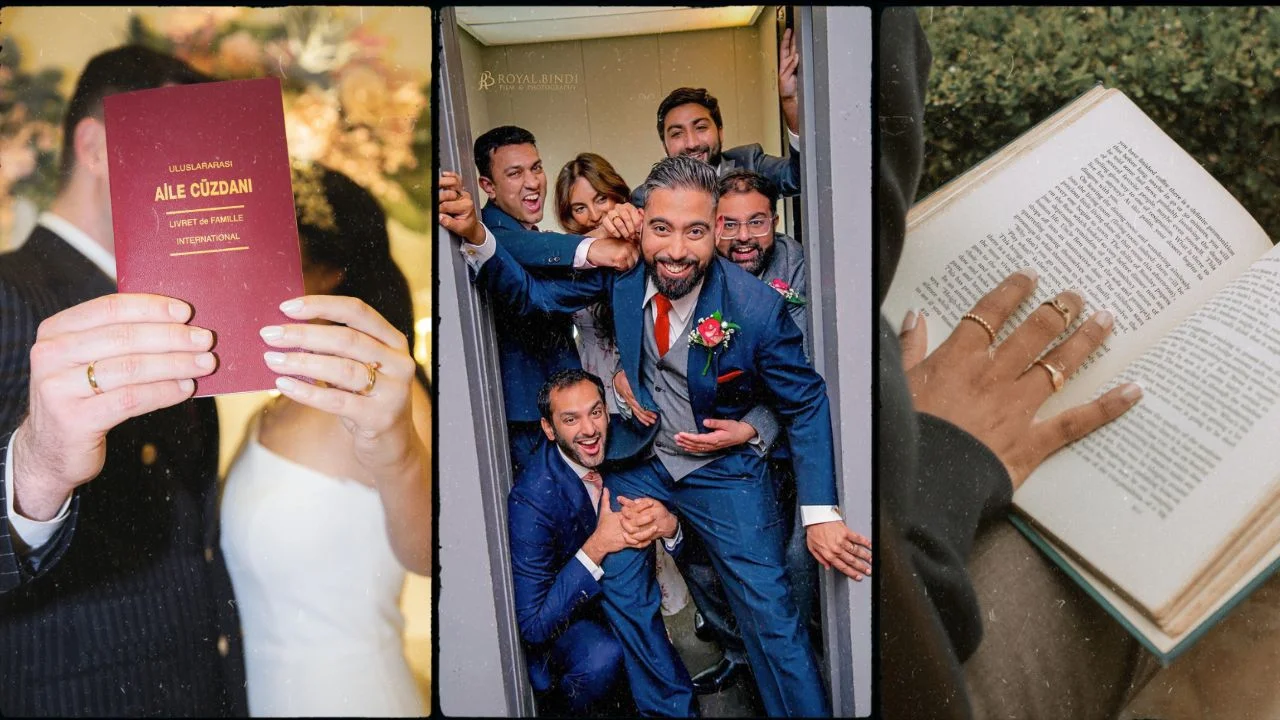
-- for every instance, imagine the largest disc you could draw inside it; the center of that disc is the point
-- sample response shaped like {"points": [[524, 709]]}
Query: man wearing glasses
{"points": [[749, 240], [747, 237]]}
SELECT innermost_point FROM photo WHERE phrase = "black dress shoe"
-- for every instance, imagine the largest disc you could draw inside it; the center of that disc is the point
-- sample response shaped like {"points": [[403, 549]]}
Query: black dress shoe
{"points": [[702, 629], [718, 676]]}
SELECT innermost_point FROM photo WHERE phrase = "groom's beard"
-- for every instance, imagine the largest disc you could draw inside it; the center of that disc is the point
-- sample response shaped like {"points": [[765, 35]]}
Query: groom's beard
{"points": [[675, 288]]}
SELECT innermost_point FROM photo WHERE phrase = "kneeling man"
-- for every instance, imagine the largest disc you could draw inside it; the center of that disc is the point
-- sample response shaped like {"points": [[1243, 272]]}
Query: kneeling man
{"points": [[561, 527]]}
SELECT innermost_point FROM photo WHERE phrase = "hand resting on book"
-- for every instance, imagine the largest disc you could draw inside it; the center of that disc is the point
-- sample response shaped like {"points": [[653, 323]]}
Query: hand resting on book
{"points": [[993, 391]]}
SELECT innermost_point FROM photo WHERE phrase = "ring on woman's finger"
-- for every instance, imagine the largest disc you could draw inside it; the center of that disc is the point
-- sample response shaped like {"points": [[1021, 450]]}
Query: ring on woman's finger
{"points": [[985, 326], [1057, 374], [1062, 309], [372, 369]]}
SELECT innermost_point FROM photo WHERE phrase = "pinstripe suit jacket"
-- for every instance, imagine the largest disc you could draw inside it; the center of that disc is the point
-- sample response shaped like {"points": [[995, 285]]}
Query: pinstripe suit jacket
{"points": [[129, 609]]}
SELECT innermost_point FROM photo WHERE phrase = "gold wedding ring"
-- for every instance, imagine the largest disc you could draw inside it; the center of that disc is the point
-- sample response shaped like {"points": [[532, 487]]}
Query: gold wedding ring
{"points": [[990, 333], [93, 382], [372, 369], [1062, 309], [1056, 374]]}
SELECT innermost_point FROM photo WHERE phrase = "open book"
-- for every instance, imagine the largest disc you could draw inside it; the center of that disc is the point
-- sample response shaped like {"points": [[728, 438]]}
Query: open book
{"points": [[1170, 515]]}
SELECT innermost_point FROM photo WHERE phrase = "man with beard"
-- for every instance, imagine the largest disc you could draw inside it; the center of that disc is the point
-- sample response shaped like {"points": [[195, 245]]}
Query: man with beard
{"points": [[689, 123], [746, 237], [114, 595], [531, 349], [562, 526], [704, 340]]}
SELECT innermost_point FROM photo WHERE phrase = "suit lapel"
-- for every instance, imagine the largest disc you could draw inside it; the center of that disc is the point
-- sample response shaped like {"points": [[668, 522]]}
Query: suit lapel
{"points": [[573, 490], [702, 387]]}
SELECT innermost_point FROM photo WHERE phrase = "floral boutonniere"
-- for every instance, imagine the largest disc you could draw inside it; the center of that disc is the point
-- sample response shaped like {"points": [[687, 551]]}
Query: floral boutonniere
{"points": [[712, 333], [788, 293]]}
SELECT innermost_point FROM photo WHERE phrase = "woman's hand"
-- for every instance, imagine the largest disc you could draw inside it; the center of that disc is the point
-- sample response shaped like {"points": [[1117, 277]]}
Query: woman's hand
{"points": [[360, 370], [994, 391]]}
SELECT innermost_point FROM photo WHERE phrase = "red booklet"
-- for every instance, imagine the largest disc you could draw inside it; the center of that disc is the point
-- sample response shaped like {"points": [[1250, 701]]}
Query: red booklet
{"points": [[202, 208]]}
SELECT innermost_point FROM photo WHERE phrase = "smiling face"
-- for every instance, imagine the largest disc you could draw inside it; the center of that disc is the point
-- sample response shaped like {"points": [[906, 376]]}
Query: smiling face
{"points": [[587, 206], [690, 130], [678, 240], [740, 210], [579, 422], [518, 185]]}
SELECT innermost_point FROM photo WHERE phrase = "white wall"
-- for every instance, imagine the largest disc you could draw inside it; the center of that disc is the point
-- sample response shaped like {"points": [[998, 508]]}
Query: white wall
{"points": [[610, 106]]}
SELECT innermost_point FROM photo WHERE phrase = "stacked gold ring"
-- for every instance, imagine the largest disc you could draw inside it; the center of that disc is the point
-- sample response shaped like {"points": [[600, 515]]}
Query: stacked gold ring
{"points": [[1057, 375], [985, 326], [372, 369], [1062, 309]]}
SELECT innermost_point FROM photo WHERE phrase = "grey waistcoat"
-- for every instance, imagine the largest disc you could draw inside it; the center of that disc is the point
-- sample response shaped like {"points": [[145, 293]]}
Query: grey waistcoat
{"points": [[668, 382]]}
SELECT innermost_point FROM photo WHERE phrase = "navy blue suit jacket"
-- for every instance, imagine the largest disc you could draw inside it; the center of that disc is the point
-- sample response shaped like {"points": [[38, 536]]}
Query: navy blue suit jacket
{"points": [[530, 349], [763, 362], [549, 517]]}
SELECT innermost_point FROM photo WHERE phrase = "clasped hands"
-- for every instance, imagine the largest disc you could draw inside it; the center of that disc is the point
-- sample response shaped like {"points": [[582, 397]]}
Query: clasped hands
{"points": [[636, 524]]}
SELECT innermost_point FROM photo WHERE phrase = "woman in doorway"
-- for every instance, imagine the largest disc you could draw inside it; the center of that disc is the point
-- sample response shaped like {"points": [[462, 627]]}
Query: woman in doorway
{"points": [[329, 501]]}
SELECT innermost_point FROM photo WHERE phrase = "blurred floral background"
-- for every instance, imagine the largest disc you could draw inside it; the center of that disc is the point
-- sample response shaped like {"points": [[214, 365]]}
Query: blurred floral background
{"points": [[356, 84]]}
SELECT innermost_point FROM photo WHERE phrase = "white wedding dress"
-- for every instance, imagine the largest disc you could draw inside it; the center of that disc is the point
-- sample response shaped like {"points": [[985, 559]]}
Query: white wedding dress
{"points": [[318, 591]]}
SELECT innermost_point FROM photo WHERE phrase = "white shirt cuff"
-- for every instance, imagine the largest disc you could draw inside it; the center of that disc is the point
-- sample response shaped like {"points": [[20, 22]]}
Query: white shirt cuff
{"points": [[477, 255], [671, 544], [594, 569], [795, 140], [814, 514], [580, 255], [624, 409], [28, 535]]}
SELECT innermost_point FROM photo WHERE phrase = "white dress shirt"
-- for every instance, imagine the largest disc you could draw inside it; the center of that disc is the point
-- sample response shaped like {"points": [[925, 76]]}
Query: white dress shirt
{"points": [[477, 255], [31, 534]]}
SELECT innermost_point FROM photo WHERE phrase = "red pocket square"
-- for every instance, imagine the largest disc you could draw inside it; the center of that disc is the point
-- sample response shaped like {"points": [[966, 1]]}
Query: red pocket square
{"points": [[728, 376]]}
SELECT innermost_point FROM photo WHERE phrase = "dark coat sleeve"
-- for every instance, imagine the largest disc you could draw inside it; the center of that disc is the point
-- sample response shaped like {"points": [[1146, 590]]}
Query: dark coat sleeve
{"points": [[547, 592], [936, 483]]}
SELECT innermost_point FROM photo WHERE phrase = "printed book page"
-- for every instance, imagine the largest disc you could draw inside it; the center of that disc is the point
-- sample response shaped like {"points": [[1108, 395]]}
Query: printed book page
{"points": [[1108, 205]]}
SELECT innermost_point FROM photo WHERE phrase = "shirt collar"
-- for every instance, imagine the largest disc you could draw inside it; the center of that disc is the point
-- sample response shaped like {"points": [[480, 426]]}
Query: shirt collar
{"points": [[580, 470], [681, 308], [80, 240]]}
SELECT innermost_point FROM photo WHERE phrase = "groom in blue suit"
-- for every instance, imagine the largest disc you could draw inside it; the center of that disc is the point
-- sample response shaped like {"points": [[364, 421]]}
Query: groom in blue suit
{"points": [[706, 340], [561, 526]]}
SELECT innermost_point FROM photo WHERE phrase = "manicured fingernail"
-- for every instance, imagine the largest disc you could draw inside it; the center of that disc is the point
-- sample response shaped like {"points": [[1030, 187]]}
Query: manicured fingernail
{"points": [[1031, 275], [1077, 292], [200, 336], [274, 358], [287, 384], [1104, 318], [289, 306], [909, 322], [271, 332], [179, 310], [187, 385], [206, 361], [1131, 392]]}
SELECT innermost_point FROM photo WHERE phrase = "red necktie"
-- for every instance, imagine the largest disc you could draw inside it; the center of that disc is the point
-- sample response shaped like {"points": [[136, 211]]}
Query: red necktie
{"points": [[662, 324]]}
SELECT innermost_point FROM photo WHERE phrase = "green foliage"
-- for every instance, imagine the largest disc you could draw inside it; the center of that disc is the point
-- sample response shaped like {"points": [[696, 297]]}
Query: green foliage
{"points": [[1209, 77]]}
